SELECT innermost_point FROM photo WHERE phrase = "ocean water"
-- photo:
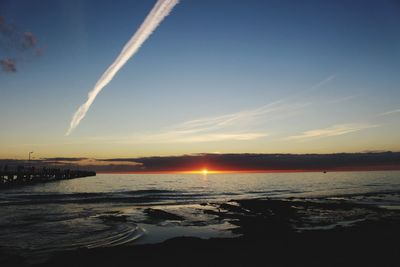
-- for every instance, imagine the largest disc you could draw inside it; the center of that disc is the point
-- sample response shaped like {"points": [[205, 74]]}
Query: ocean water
{"points": [[110, 209]]}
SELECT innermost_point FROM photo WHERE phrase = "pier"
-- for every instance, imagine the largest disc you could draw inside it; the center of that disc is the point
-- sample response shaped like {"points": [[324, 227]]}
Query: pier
{"points": [[22, 175]]}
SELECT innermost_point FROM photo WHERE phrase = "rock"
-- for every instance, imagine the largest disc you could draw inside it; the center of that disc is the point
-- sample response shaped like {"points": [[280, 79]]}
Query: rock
{"points": [[162, 215]]}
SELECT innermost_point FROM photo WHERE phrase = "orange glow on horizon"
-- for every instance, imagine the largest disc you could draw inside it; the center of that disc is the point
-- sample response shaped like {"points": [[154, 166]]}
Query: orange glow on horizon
{"points": [[206, 171], [203, 171]]}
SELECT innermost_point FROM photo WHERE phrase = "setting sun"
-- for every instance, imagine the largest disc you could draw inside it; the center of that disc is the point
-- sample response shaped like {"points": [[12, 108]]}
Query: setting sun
{"points": [[203, 171]]}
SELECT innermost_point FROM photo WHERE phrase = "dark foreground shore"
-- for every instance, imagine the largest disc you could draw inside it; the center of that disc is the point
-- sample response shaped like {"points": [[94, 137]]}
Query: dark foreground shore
{"points": [[286, 232]]}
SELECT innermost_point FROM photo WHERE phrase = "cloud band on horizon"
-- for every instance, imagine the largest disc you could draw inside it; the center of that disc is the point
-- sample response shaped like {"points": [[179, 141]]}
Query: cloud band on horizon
{"points": [[160, 10]]}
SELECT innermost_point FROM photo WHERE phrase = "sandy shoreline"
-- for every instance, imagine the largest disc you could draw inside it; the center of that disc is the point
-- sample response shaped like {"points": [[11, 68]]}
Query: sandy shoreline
{"points": [[334, 231]]}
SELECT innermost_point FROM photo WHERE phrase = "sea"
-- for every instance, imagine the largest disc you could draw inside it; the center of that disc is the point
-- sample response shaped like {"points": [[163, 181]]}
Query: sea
{"points": [[111, 209]]}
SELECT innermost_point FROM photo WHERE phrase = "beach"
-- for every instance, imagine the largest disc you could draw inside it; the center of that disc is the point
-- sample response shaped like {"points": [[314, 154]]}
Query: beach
{"points": [[335, 231], [285, 219]]}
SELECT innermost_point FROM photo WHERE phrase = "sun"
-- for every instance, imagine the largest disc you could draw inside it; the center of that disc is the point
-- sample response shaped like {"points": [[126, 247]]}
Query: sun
{"points": [[203, 171]]}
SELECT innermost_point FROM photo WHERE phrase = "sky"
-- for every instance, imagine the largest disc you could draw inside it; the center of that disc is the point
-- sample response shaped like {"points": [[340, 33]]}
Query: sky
{"points": [[216, 76]]}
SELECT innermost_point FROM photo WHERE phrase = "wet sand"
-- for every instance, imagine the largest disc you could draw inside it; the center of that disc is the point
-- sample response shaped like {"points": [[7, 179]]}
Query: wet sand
{"points": [[335, 231]]}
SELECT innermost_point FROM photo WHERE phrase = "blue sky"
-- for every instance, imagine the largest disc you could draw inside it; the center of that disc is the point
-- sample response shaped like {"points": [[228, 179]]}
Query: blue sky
{"points": [[216, 76]]}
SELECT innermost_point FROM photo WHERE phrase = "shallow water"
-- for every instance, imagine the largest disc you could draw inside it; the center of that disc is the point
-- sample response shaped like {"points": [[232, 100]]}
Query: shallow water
{"points": [[107, 210]]}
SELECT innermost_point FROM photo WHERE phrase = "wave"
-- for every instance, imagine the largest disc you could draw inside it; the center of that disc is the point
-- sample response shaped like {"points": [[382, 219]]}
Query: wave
{"points": [[138, 196], [157, 196], [122, 234]]}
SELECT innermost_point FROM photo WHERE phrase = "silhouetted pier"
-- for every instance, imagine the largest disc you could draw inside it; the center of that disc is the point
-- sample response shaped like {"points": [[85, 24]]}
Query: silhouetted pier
{"points": [[22, 175]]}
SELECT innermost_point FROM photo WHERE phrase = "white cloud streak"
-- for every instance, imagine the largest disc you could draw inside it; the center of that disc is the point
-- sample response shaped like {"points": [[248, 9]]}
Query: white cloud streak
{"points": [[160, 10], [390, 112], [244, 125], [322, 83], [228, 127], [342, 99], [338, 129], [177, 137], [278, 109]]}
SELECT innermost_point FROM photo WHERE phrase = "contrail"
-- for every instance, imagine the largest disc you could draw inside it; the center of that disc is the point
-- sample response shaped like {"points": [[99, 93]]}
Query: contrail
{"points": [[160, 10]]}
